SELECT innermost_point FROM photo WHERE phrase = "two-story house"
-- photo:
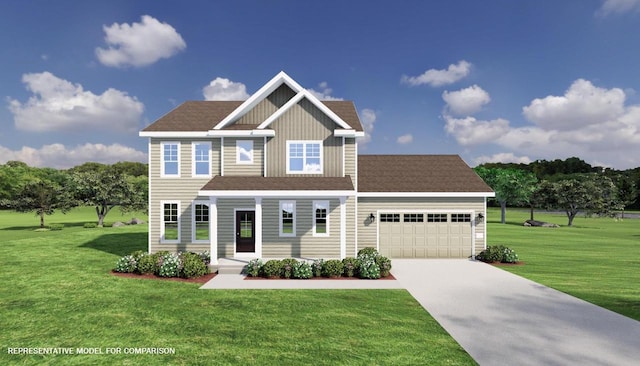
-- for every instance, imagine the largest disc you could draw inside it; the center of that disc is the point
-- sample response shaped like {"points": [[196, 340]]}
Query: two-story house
{"points": [[279, 175]]}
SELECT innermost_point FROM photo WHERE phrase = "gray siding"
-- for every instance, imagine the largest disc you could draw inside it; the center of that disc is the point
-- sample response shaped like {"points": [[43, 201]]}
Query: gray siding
{"points": [[267, 106], [227, 223], [350, 157], [233, 168]]}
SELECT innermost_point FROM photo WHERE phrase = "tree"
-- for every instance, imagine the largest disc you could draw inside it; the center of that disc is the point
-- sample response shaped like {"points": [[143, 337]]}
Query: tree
{"points": [[627, 190], [512, 186], [43, 197], [107, 188]]}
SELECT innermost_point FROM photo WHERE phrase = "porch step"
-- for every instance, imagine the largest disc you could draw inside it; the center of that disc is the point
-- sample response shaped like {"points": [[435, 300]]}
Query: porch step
{"points": [[230, 269]]}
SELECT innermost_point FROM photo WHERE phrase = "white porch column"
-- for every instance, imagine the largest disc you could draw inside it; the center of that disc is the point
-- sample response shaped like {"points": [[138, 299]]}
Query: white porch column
{"points": [[343, 227], [213, 229], [258, 233]]}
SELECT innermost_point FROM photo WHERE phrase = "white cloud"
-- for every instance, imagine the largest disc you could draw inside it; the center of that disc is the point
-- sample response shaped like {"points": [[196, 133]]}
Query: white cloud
{"points": [[618, 7], [405, 139], [470, 131], [225, 89], [502, 158], [60, 157], [436, 78], [583, 104], [467, 101], [139, 44], [368, 119], [324, 93], [58, 104]]}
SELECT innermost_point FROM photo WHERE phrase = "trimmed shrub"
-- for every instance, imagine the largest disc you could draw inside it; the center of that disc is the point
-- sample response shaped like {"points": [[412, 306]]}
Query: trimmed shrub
{"points": [[316, 267], [206, 257], [126, 264], [90, 225], [272, 268], [192, 266], [368, 267], [509, 256], [384, 264], [351, 266], [169, 265], [368, 251], [56, 227], [332, 268], [302, 270], [147, 263], [254, 267], [497, 253], [287, 267]]}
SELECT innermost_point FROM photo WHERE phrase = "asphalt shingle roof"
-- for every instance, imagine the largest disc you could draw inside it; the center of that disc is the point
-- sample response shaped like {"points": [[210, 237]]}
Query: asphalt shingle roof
{"points": [[244, 183]]}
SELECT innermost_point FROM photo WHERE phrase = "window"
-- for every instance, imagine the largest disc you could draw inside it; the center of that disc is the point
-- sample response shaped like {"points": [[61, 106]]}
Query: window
{"points": [[170, 159], [200, 222], [244, 152], [460, 217], [413, 218], [304, 157], [201, 159], [170, 229], [389, 217], [320, 222], [437, 217], [287, 218]]}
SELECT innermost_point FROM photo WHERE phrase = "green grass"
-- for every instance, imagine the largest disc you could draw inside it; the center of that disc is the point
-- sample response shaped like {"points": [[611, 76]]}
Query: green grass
{"points": [[57, 292], [597, 260]]}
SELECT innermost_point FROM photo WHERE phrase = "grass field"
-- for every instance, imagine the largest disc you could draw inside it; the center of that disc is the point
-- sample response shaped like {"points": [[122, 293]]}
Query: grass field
{"points": [[598, 259], [57, 292]]}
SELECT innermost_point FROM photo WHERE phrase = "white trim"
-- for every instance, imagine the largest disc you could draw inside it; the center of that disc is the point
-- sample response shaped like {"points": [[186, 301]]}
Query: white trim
{"points": [[193, 221], [174, 134], [222, 156], [193, 159], [213, 229], [235, 237], [271, 194], [347, 133], [238, 155], [149, 180], [257, 216], [343, 227], [304, 156], [485, 223], [327, 204], [241, 133], [162, 162], [355, 182], [286, 202], [343, 157], [162, 223], [426, 194], [264, 156]]}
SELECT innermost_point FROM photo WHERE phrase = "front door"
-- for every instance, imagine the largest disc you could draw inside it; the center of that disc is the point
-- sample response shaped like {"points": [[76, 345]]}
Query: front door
{"points": [[245, 232]]}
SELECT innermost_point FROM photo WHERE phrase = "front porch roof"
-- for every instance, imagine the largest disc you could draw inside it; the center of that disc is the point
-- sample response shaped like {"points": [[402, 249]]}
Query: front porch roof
{"points": [[245, 186]]}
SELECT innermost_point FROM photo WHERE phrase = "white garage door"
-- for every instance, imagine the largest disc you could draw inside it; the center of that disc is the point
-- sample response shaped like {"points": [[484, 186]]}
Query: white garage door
{"points": [[425, 235]]}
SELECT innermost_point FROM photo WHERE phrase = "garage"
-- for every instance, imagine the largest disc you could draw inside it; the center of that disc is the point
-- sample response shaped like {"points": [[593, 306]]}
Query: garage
{"points": [[425, 234]]}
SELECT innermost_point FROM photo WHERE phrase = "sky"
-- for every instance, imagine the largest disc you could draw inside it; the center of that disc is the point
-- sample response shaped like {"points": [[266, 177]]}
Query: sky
{"points": [[491, 80]]}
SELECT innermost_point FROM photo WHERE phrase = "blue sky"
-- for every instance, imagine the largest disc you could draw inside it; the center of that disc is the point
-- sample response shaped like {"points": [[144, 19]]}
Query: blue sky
{"points": [[510, 81]]}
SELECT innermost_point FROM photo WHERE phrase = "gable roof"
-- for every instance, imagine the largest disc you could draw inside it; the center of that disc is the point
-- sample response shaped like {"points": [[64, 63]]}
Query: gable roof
{"points": [[419, 173]]}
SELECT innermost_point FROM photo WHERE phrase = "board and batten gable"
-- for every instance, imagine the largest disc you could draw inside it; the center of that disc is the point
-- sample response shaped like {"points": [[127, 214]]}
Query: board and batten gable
{"points": [[266, 107]]}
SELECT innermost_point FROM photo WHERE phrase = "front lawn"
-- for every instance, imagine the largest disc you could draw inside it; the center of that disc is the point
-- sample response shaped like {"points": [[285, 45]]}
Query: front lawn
{"points": [[597, 260], [57, 292]]}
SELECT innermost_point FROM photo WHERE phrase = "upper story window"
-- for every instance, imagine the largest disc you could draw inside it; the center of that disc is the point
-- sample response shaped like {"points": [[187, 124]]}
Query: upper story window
{"points": [[304, 157], [170, 159], [201, 159], [244, 152]]}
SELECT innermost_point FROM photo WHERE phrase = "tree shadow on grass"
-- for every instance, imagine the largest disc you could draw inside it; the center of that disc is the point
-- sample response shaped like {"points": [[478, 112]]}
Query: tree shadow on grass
{"points": [[119, 244], [46, 225]]}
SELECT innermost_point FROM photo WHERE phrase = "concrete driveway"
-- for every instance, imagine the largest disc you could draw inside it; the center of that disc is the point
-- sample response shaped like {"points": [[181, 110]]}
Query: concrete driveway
{"points": [[503, 319]]}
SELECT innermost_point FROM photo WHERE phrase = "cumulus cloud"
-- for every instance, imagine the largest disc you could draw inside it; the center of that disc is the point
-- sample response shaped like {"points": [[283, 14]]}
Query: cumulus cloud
{"points": [[139, 44], [224, 89], [467, 101], [58, 104], [60, 157], [324, 93], [618, 7], [405, 139], [470, 131], [502, 158], [368, 119], [437, 78]]}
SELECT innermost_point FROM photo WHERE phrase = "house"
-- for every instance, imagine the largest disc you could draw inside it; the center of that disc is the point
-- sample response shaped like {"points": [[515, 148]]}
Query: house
{"points": [[279, 175]]}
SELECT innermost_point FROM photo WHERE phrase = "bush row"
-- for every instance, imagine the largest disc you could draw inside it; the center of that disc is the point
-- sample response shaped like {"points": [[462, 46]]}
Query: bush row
{"points": [[368, 264], [498, 253], [165, 264]]}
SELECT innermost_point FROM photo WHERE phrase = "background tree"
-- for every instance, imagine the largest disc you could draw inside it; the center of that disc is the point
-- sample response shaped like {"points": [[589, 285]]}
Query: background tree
{"points": [[627, 190], [43, 196], [512, 186]]}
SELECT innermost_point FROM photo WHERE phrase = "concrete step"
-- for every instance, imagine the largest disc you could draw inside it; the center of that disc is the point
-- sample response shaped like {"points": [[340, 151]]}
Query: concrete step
{"points": [[230, 269]]}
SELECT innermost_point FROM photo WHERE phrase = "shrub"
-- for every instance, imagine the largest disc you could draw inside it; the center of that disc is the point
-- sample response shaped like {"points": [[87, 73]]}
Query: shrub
{"points": [[206, 257], [192, 266], [316, 267], [509, 256], [302, 270], [272, 268], [287, 267], [368, 266], [148, 263], [55, 227], [90, 225], [384, 264], [169, 265], [351, 266], [126, 264], [368, 251], [497, 253], [332, 268], [254, 267]]}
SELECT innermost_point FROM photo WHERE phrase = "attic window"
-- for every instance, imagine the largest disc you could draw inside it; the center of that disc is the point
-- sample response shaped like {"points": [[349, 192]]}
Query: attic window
{"points": [[304, 157]]}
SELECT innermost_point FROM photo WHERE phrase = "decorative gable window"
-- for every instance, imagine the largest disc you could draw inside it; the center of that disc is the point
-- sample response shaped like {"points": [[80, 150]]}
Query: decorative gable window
{"points": [[304, 157], [320, 221], [244, 152], [170, 159], [287, 218], [201, 159]]}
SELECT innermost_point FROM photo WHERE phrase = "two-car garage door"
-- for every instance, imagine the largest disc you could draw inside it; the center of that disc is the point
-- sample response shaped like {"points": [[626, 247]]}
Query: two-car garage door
{"points": [[425, 235]]}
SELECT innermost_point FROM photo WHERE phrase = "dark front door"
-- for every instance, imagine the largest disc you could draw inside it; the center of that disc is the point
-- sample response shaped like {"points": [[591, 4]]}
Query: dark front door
{"points": [[245, 232]]}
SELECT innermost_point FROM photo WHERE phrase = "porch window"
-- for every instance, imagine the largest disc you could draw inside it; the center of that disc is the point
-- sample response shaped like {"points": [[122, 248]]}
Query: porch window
{"points": [[287, 218], [201, 222], [304, 157], [170, 159], [320, 222], [170, 222], [201, 159], [244, 152]]}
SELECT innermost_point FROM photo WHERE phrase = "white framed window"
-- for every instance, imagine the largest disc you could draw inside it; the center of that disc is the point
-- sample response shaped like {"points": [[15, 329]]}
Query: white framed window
{"points": [[170, 228], [170, 159], [304, 157], [200, 222], [320, 218], [201, 162], [244, 151], [287, 218]]}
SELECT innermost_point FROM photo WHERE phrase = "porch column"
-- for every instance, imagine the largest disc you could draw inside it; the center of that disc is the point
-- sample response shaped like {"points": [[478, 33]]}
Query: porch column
{"points": [[343, 227], [213, 229], [258, 233]]}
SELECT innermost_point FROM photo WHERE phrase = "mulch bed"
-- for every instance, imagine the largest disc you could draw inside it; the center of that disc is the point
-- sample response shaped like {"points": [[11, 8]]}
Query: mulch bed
{"points": [[149, 276], [390, 277]]}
